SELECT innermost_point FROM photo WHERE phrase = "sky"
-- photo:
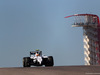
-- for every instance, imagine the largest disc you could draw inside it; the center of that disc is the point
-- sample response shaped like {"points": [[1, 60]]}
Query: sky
{"points": [[26, 25]]}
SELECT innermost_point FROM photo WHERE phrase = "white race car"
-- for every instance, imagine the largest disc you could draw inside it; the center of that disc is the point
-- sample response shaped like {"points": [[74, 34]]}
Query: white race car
{"points": [[37, 59]]}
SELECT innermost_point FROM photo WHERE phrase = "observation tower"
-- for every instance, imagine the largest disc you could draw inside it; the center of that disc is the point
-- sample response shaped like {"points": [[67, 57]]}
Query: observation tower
{"points": [[91, 36]]}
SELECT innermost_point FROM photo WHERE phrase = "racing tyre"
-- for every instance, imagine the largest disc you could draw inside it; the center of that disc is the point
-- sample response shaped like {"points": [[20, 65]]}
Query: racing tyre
{"points": [[50, 61], [26, 62]]}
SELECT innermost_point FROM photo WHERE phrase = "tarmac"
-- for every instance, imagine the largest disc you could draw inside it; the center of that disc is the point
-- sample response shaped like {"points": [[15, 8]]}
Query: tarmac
{"points": [[56, 70]]}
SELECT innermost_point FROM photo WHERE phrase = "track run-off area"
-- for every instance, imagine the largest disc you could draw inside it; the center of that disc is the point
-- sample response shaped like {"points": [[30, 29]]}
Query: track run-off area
{"points": [[56, 70]]}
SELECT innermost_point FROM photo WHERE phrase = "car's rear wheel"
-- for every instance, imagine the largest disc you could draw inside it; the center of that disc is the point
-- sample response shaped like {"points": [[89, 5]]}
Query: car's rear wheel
{"points": [[50, 61], [26, 62]]}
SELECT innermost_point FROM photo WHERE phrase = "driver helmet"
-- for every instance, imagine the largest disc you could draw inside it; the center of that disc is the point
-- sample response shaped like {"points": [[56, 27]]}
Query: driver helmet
{"points": [[37, 54]]}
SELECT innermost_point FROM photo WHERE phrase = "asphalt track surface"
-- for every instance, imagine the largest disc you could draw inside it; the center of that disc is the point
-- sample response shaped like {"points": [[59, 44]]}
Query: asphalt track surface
{"points": [[57, 70]]}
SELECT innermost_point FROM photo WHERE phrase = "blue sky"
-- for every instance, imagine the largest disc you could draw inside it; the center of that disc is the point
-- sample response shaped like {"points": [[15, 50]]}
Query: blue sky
{"points": [[26, 25]]}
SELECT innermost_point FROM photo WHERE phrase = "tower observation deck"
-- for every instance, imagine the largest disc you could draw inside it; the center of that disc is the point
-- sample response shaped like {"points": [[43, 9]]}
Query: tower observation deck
{"points": [[91, 34]]}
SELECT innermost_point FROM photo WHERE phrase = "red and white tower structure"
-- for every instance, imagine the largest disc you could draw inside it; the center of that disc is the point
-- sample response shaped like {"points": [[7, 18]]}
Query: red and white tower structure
{"points": [[91, 34]]}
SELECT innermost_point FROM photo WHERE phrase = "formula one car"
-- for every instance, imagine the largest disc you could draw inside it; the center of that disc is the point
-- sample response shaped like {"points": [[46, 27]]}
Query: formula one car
{"points": [[37, 59]]}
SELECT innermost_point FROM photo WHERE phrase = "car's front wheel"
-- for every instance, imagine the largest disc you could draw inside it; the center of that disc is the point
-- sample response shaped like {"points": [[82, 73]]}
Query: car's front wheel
{"points": [[50, 61], [26, 62]]}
